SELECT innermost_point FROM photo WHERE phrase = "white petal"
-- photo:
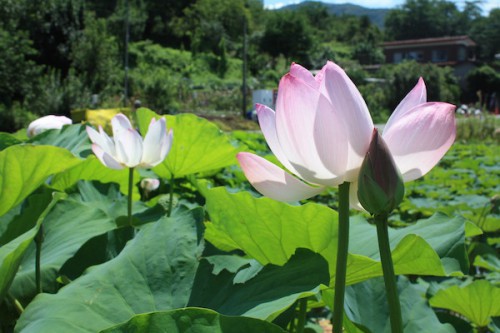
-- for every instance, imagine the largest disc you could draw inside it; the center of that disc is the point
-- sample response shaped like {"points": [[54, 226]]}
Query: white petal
{"points": [[106, 159], [120, 123], [154, 143], [273, 181], [417, 96], [421, 137], [350, 105], [129, 148], [102, 139]]}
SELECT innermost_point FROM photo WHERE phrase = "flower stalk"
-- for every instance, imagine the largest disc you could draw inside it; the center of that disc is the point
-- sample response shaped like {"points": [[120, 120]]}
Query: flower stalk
{"points": [[389, 276], [302, 315], [130, 190], [342, 251], [171, 196], [38, 258]]}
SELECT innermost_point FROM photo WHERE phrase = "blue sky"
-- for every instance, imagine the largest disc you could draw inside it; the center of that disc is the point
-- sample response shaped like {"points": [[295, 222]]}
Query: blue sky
{"points": [[487, 5]]}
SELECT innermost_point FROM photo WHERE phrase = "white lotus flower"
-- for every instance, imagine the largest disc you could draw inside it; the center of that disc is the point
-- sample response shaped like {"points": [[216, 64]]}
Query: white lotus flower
{"points": [[127, 149]]}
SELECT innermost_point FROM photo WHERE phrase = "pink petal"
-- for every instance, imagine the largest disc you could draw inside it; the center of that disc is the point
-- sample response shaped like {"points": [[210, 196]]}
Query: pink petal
{"points": [[106, 159], [273, 181], [154, 143], [350, 106], [417, 96], [267, 122], [421, 137], [299, 109], [129, 148], [120, 123], [303, 74]]}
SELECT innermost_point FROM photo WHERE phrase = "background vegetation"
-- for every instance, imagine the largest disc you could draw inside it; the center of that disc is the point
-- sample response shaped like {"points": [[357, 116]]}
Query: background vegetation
{"points": [[186, 56]]}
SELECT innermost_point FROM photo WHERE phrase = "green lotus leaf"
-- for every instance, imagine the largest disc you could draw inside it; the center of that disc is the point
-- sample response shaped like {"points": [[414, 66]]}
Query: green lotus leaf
{"points": [[198, 145]]}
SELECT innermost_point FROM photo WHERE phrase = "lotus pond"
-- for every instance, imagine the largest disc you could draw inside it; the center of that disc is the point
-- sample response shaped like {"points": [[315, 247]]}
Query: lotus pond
{"points": [[208, 254]]}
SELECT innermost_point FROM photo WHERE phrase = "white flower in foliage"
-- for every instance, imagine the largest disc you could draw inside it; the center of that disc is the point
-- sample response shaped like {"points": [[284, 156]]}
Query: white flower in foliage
{"points": [[47, 123], [127, 149]]}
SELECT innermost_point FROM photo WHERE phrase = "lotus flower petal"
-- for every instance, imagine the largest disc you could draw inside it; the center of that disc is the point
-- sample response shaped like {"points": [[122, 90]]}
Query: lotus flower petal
{"points": [[417, 96], [273, 181], [102, 139], [120, 123], [105, 158], [267, 122], [420, 138], [129, 148], [155, 143], [348, 103], [297, 107], [303, 74]]}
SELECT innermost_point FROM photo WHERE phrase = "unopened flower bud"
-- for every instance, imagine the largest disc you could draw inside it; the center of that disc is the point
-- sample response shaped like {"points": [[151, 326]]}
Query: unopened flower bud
{"points": [[150, 184], [380, 185], [47, 123]]}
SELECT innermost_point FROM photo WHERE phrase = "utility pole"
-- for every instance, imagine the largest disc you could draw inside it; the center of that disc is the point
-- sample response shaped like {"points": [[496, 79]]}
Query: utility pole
{"points": [[244, 86], [127, 37]]}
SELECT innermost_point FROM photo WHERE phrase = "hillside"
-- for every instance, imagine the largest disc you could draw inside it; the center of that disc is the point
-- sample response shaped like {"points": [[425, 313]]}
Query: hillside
{"points": [[376, 15]]}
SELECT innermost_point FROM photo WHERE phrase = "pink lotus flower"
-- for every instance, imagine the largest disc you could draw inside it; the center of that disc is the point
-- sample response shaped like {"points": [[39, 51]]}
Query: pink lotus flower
{"points": [[127, 149], [47, 123], [322, 129]]}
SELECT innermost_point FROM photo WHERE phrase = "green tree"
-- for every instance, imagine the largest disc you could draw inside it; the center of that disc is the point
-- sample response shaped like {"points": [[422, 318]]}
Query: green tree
{"points": [[485, 31], [424, 19], [287, 33], [401, 78], [95, 57]]}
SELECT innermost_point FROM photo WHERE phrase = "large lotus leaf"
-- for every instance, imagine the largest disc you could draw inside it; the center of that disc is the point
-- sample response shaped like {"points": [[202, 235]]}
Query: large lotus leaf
{"points": [[24, 167], [74, 138], [66, 228], [154, 272], [477, 301], [93, 169], [269, 292], [7, 140], [193, 320], [445, 235], [366, 305], [198, 145], [20, 234], [270, 232]]}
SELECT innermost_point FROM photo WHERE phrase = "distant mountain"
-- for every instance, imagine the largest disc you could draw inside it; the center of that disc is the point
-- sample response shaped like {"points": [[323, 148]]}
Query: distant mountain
{"points": [[376, 15]]}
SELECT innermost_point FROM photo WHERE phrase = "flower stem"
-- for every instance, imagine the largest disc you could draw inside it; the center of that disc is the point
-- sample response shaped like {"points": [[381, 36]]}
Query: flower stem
{"points": [[38, 258], [341, 267], [130, 188], [302, 315], [389, 276], [171, 196]]}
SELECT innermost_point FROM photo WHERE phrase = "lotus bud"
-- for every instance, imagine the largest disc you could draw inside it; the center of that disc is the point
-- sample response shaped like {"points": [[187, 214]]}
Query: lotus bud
{"points": [[150, 184], [380, 185], [47, 123]]}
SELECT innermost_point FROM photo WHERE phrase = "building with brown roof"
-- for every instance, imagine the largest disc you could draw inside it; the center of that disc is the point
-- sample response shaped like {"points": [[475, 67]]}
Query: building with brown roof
{"points": [[458, 52]]}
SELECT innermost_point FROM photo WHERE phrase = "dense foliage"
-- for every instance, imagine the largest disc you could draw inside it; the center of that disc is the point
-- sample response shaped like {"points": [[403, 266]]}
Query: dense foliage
{"points": [[187, 56], [224, 258]]}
